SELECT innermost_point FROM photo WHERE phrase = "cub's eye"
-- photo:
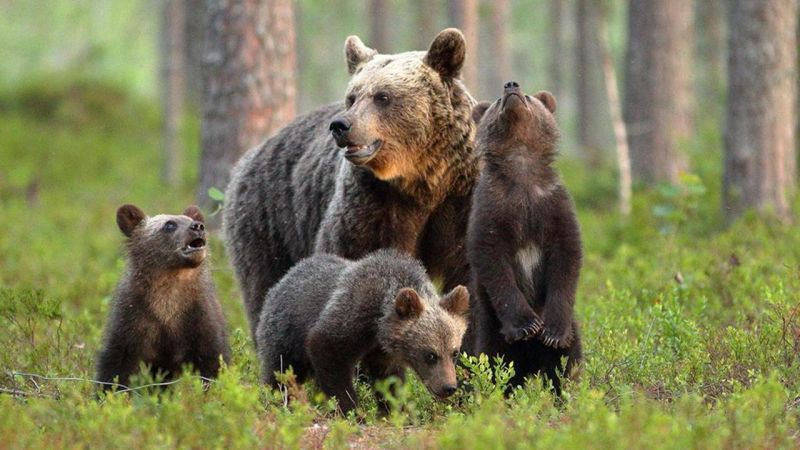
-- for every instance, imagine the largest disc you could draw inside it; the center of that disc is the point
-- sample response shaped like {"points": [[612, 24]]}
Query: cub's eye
{"points": [[350, 100], [431, 358], [455, 355], [382, 99], [170, 226]]}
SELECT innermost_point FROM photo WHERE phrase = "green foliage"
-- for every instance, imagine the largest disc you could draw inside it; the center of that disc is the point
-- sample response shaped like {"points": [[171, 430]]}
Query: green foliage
{"points": [[691, 331]]}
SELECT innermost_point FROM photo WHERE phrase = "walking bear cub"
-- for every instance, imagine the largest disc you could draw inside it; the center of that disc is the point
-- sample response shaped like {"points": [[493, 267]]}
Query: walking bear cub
{"points": [[524, 243], [327, 314], [165, 312]]}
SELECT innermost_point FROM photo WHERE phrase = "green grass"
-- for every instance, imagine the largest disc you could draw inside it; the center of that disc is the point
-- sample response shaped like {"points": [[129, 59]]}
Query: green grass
{"points": [[692, 330]]}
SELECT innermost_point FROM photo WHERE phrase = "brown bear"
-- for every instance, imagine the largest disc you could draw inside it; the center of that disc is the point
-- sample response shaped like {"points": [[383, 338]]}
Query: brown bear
{"points": [[523, 241], [165, 312], [328, 314], [400, 178]]}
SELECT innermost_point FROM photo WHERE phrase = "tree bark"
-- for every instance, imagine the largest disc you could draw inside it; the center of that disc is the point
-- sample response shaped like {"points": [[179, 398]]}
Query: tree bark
{"points": [[589, 84], [248, 82], [173, 76], [658, 87], [760, 160], [463, 14], [194, 33], [615, 110], [379, 26]]}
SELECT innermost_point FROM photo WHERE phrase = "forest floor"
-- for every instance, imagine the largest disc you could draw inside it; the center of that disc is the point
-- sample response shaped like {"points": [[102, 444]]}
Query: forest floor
{"points": [[691, 327]]}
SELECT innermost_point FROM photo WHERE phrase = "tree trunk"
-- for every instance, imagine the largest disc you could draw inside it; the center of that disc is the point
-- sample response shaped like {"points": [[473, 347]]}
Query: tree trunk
{"points": [[500, 48], [379, 26], [463, 14], [556, 72], [760, 155], [589, 84], [172, 85], [426, 12], [658, 87], [615, 111], [248, 82]]}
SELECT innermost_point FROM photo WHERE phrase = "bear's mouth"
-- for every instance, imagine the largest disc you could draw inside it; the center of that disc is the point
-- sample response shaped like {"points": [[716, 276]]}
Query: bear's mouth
{"points": [[195, 245], [512, 100], [362, 154]]}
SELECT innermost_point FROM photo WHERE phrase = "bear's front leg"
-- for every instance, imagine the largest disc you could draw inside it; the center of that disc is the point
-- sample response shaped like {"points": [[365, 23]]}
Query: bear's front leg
{"points": [[333, 362]]}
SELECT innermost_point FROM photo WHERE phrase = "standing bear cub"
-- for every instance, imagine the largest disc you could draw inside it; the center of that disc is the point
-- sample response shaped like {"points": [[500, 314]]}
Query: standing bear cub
{"points": [[524, 243], [165, 312], [328, 314]]}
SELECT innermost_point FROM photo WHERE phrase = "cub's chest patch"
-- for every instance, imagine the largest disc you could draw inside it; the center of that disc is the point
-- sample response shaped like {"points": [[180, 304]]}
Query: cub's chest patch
{"points": [[170, 295], [528, 258]]}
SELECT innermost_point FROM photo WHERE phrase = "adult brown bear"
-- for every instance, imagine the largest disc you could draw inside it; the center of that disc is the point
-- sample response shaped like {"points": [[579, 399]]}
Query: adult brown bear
{"points": [[400, 178]]}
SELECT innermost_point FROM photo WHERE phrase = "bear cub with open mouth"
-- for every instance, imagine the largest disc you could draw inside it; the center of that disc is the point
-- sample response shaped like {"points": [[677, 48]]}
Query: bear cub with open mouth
{"points": [[165, 311], [329, 314], [524, 243]]}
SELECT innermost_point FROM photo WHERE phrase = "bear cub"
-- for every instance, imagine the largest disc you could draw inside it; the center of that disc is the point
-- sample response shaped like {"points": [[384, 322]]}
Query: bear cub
{"points": [[165, 311], [328, 314], [524, 243]]}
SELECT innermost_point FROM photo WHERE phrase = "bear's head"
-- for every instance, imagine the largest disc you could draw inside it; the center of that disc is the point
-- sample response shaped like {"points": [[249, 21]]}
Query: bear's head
{"points": [[164, 241], [517, 120], [402, 107], [426, 335]]}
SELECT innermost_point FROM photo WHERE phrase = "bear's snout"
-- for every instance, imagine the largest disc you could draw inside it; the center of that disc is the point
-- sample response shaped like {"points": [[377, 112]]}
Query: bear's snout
{"points": [[448, 390], [339, 128]]}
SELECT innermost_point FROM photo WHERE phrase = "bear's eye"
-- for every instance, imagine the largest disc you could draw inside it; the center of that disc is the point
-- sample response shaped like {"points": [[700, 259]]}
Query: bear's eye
{"points": [[455, 355], [431, 358], [350, 100], [170, 226], [382, 99]]}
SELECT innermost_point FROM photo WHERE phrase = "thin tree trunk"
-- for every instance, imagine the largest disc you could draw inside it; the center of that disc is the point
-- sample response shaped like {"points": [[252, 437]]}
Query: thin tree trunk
{"points": [[557, 48], [615, 110], [589, 85], [463, 14], [172, 81], [248, 82], [658, 87], [379, 26], [194, 32], [426, 12], [500, 46], [760, 160]]}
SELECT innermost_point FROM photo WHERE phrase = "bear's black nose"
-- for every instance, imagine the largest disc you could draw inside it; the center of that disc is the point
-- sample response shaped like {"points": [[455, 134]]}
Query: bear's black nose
{"points": [[511, 85], [448, 390], [339, 127], [197, 226]]}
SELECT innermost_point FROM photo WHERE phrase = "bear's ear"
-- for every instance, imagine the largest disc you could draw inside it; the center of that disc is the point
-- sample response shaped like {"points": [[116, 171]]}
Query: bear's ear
{"points": [[194, 213], [479, 110], [447, 52], [456, 302], [356, 53], [547, 100], [407, 304], [128, 218]]}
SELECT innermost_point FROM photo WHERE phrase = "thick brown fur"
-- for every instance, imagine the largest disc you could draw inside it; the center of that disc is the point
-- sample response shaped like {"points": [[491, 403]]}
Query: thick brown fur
{"points": [[524, 243], [165, 312], [400, 178], [382, 312]]}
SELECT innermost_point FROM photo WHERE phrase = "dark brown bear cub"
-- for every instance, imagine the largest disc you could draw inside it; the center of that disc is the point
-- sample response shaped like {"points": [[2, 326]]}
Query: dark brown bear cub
{"points": [[329, 314], [524, 243], [165, 312]]}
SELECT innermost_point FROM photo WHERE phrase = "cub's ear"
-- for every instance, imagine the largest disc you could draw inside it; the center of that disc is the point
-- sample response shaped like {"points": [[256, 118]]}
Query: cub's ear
{"points": [[194, 213], [447, 52], [407, 304], [128, 218], [479, 110], [356, 53], [456, 302], [547, 100]]}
